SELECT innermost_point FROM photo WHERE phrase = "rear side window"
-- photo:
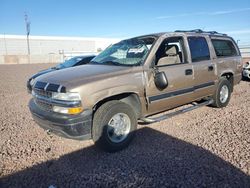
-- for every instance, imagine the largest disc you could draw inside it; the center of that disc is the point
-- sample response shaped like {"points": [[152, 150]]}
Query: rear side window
{"points": [[224, 48], [198, 48]]}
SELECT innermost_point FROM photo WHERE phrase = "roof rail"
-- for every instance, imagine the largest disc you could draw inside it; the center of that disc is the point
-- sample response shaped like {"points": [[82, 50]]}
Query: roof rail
{"points": [[201, 31]]}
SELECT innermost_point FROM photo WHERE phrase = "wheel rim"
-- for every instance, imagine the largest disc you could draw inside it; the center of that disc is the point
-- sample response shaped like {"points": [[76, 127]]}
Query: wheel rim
{"points": [[224, 93], [119, 127]]}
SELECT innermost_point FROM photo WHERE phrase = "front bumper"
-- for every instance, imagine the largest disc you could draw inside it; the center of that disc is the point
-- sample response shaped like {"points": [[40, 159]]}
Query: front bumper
{"points": [[29, 87], [76, 127]]}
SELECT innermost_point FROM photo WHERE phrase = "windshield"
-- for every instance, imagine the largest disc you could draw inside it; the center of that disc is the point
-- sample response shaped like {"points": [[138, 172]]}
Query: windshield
{"points": [[69, 63], [129, 52]]}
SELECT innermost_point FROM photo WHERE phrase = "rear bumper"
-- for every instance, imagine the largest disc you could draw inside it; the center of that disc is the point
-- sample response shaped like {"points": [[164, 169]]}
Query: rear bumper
{"points": [[69, 126]]}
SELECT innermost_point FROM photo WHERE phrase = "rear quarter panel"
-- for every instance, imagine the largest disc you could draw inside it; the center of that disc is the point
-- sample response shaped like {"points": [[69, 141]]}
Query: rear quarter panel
{"points": [[232, 64]]}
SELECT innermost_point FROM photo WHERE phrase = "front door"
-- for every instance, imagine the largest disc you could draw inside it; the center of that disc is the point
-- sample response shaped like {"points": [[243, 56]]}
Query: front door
{"points": [[171, 59]]}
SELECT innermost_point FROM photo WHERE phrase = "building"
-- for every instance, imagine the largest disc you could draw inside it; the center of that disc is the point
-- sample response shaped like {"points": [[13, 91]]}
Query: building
{"points": [[48, 49]]}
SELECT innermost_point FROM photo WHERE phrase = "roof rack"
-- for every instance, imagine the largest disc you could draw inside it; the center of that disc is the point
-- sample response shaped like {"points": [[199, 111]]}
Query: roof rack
{"points": [[201, 31]]}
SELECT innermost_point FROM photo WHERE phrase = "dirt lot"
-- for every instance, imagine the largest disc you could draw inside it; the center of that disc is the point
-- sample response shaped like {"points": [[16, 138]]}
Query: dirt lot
{"points": [[207, 147]]}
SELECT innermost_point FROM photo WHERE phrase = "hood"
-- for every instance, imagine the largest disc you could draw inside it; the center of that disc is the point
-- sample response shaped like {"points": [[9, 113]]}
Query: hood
{"points": [[79, 75], [43, 72]]}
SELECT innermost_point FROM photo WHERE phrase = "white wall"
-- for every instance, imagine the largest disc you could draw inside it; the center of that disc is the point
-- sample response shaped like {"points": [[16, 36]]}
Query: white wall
{"points": [[13, 48], [17, 44]]}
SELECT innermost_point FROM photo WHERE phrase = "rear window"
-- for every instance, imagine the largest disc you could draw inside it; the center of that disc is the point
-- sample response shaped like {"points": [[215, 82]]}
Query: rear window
{"points": [[224, 48], [198, 48]]}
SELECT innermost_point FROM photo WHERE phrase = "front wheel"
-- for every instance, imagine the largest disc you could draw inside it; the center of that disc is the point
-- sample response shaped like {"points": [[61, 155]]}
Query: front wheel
{"points": [[223, 93], [114, 126]]}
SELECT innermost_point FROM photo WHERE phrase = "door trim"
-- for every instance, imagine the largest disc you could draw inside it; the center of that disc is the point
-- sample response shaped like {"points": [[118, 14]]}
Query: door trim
{"points": [[180, 92]]}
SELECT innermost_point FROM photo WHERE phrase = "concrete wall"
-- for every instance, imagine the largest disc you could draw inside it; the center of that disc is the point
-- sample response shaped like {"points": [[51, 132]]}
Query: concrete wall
{"points": [[246, 59], [25, 59], [17, 45], [48, 49], [245, 51]]}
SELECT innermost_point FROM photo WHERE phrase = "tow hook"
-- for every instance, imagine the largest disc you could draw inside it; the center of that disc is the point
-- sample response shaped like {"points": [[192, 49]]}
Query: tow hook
{"points": [[48, 131]]}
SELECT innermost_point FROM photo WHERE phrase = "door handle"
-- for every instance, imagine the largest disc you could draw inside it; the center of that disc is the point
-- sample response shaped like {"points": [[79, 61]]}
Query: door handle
{"points": [[188, 72], [210, 68]]}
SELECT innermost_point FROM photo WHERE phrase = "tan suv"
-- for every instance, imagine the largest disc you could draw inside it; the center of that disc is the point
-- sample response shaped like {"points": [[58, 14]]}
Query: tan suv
{"points": [[133, 80]]}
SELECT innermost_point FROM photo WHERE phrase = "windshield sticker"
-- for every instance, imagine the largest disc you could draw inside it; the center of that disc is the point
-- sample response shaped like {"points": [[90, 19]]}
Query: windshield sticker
{"points": [[136, 50]]}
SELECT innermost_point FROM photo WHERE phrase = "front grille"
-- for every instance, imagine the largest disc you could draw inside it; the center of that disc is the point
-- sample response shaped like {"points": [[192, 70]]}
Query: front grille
{"points": [[42, 94], [39, 92], [44, 105]]}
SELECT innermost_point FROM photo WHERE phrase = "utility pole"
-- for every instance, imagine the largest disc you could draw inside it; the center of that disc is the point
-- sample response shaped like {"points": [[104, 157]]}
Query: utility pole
{"points": [[27, 23], [5, 45]]}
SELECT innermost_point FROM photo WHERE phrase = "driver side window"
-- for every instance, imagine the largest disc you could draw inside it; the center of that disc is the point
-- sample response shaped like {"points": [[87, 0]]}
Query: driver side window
{"points": [[170, 52]]}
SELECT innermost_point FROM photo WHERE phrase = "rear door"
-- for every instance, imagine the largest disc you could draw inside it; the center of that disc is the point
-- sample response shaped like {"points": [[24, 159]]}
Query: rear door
{"points": [[204, 66]]}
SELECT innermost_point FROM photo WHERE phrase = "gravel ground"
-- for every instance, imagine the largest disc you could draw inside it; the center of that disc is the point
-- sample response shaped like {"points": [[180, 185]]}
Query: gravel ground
{"points": [[206, 147]]}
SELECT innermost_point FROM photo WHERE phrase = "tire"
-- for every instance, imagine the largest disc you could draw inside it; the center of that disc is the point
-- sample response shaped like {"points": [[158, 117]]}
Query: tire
{"points": [[224, 87], [107, 120]]}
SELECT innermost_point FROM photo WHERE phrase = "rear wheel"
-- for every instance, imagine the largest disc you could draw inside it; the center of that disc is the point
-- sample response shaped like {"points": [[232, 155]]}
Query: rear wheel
{"points": [[223, 93], [114, 126]]}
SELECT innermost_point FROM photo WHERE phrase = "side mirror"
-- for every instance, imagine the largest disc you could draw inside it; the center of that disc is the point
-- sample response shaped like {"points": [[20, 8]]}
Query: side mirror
{"points": [[161, 81]]}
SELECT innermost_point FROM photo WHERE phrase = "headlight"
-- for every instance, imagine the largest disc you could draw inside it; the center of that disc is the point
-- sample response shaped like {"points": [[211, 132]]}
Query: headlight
{"points": [[65, 110], [66, 96]]}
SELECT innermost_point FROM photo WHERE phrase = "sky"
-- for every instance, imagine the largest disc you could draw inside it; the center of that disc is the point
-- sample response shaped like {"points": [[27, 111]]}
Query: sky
{"points": [[122, 19]]}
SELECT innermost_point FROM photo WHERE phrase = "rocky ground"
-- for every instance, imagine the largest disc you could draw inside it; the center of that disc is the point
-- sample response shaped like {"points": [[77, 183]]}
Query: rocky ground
{"points": [[206, 147]]}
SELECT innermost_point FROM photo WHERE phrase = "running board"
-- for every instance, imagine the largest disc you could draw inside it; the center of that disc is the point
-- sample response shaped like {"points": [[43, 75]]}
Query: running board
{"points": [[166, 116]]}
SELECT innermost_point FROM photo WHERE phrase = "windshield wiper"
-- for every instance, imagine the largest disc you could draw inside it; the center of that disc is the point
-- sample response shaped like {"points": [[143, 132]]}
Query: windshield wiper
{"points": [[112, 63], [93, 62], [56, 68]]}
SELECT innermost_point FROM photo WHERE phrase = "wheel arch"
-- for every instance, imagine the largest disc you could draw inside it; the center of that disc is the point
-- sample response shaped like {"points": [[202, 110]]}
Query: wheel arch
{"points": [[130, 98], [230, 77]]}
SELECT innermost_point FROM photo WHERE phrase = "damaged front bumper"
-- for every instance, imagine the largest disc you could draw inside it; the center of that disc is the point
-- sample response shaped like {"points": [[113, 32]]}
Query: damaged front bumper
{"points": [[69, 126]]}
